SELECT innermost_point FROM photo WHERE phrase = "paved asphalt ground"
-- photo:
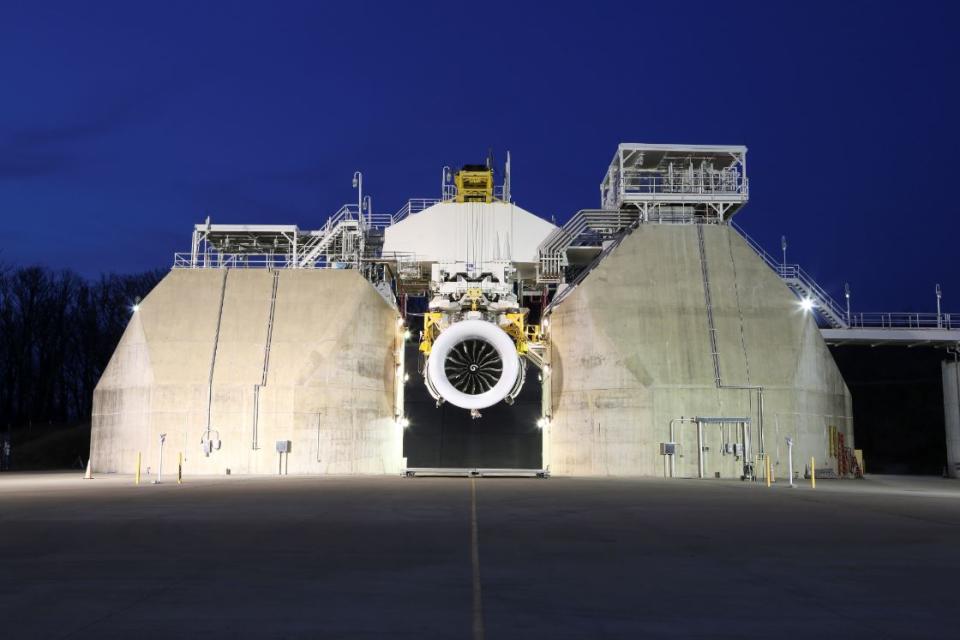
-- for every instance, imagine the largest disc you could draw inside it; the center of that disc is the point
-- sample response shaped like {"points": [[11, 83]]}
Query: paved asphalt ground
{"points": [[418, 558]]}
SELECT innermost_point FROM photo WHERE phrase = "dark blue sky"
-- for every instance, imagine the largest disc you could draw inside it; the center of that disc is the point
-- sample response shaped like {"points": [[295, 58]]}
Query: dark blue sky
{"points": [[123, 124]]}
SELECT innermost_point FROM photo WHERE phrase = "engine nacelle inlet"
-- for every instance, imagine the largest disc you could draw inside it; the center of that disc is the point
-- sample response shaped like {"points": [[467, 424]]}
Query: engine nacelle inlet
{"points": [[473, 364]]}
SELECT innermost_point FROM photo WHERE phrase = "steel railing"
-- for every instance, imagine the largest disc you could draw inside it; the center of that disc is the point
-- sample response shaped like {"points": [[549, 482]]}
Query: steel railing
{"points": [[250, 261], [796, 277], [793, 275], [214, 260], [684, 182], [345, 219], [904, 320], [380, 220], [597, 224], [414, 205]]}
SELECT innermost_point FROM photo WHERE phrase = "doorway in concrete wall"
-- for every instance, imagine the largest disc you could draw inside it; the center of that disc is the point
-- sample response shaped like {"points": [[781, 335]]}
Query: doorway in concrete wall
{"points": [[446, 437]]}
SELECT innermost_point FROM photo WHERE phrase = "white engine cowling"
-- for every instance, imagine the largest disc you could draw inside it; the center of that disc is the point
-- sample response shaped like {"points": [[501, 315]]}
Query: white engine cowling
{"points": [[473, 364]]}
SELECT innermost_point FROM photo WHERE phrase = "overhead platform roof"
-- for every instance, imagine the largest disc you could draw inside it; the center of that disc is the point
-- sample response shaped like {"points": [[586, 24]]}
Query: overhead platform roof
{"points": [[469, 231], [703, 181], [248, 238], [658, 156]]}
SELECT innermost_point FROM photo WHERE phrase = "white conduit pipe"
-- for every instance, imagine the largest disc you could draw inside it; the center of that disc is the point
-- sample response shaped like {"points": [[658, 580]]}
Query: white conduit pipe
{"points": [[673, 439]]}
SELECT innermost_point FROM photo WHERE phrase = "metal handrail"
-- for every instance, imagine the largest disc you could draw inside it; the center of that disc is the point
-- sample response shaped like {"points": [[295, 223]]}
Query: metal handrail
{"points": [[313, 250], [696, 182], [243, 261], [875, 319], [380, 220], [414, 205], [905, 320], [604, 222], [346, 212], [794, 273]]}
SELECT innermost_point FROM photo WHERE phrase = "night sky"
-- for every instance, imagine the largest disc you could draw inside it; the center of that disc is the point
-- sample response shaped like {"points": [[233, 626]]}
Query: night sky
{"points": [[123, 124]]}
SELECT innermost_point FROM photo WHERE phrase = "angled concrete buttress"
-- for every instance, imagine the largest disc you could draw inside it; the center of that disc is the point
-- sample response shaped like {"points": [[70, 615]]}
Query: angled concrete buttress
{"points": [[632, 351], [247, 357]]}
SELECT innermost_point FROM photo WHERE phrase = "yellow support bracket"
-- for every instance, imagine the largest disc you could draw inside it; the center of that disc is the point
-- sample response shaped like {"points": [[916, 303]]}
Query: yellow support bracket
{"points": [[431, 327], [474, 294], [516, 330], [534, 333]]}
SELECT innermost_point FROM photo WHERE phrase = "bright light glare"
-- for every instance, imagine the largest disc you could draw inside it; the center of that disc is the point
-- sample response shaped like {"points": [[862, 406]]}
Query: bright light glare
{"points": [[135, 308], [806, 304], [403, 422], [542, 422], [406, 334]]}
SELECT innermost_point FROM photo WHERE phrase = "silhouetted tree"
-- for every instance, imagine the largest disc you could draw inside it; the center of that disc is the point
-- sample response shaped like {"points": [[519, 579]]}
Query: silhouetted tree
{"points": [[57, 332]]}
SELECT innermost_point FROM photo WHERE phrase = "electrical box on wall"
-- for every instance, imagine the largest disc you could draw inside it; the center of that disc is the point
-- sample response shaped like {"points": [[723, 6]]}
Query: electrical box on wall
{"points": [[668, 448], [283, 446]]}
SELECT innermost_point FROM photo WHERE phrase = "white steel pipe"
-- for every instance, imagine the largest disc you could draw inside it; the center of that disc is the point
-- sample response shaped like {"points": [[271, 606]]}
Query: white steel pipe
{"points": [[790, 460], [699, 449]]}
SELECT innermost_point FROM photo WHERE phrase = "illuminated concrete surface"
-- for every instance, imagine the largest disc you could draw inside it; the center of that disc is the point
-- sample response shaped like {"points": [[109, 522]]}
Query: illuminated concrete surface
{"points": [[632, 351], [313, 557], [184, 363]]}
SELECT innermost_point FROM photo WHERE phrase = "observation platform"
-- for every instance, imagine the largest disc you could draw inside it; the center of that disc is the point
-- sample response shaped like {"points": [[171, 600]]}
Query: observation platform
{"points": [[676, 181]]}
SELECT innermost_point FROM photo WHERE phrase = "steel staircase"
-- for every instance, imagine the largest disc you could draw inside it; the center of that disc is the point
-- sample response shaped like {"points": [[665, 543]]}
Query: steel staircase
{"points": [[339, 224], [802, 284], [806, 288]]}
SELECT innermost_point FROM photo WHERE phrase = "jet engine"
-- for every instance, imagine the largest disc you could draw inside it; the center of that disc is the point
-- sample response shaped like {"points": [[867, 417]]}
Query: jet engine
{"points": [[473, 365], [473, 337]]}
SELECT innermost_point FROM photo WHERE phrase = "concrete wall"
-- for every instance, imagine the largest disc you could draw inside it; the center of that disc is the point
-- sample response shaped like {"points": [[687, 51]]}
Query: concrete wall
{"points": [[951, 416], [631, 351], [329, 383]]}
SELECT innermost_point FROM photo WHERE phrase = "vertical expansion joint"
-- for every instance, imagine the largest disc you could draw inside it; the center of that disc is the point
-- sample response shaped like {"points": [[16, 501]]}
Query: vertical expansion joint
{"points": [[216, 344], [712, 330], [268, 341], [736, 293]]}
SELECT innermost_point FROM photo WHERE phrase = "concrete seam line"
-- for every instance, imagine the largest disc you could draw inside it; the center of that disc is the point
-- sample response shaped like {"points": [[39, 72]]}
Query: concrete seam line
{"points": [[475, 562], [736, 291]]}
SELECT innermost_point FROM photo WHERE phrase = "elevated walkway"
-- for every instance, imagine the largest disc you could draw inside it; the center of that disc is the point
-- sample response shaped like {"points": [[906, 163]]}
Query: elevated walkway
{"points": [[873, 328], [895, 336]]}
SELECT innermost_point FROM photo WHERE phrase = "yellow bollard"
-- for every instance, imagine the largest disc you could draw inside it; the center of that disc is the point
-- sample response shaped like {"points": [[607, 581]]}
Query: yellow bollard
{"points": [[138, 467], [180, 468], [813, 474], [768, 470]]}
